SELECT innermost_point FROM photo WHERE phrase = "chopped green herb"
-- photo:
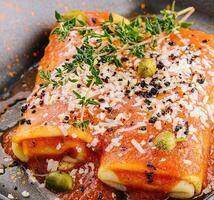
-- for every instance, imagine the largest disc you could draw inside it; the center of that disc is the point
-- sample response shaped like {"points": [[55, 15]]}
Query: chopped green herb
{"points": [[58, 17], [110, 19], [138, 51], [45, 75], [185, 24], [81, 124], [84, 100]]}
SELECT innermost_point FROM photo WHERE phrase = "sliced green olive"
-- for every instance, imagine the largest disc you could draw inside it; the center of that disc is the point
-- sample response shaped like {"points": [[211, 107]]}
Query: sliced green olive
{"points": [[78, 14], [147, 67], [59, 181], [165, 141]]}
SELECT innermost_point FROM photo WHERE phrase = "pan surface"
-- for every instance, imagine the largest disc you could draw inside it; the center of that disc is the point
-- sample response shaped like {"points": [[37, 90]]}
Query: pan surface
{"points": [[24, 30]]}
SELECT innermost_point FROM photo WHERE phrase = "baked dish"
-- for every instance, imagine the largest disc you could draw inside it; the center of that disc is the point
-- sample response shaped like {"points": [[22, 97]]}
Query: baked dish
{"points": [[120, 104]]}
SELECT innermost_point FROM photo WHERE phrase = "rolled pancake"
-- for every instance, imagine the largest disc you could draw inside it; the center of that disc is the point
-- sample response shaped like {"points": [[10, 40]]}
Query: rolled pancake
{"points": [[43, 126], [134, 161]]}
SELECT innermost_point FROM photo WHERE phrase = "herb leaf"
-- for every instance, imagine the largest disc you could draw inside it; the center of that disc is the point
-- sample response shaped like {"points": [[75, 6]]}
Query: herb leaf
{"points": [[58, 16], [81, 124]]}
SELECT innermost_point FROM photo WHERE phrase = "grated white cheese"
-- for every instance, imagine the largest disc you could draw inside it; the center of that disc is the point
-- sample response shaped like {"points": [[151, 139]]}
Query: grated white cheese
{"points": [[187, 162], [162, 159], [158, 125], [137, 146], [131, 128], [115, 142], [59, 146], [94, 142], [52, 165]]}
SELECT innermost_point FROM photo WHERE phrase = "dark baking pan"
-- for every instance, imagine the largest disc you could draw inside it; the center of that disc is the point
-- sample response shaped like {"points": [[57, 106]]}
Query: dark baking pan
{"points": [[24, 29]]}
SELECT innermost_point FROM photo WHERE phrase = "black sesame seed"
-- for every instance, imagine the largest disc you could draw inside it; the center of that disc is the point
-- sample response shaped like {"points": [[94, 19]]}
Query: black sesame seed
{"points": [[177, 128], [170, 43], [22, 121], [160, 65], [109, 109], [123, 148], [33, 111], [193, 90], [150, 165], [153, 119], [94, 20], [143, 128], [66, 118], [127, 92], [78, 85], [172, 57], [110, 129], [124, 59], [147, 94], [151, 55], [167, 84], [41, 102], [101, 100], [204, 41], [157, 86], [149, 108], [132, 123], [153, 91], [42, 94], [149, 176], [139, 93], [201, 80], [100, 196], [143, 84], [114, 73], [82, 189], [33, 107], [187, 128], [158, 114], [120, 79], [106, 79], [148, 102], [24, 108], [28, 122]]}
